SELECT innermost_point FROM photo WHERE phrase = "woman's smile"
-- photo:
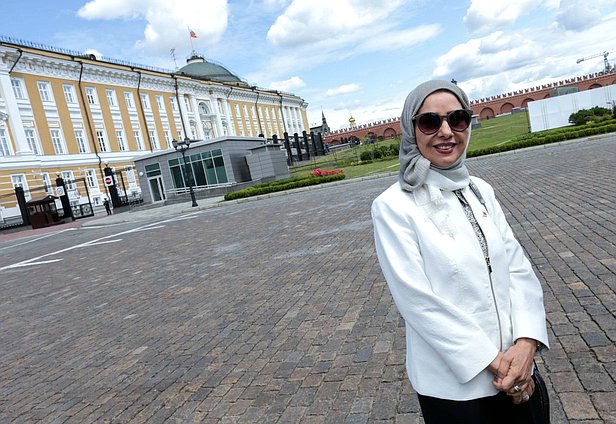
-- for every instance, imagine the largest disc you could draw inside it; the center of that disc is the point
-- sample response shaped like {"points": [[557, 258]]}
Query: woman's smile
{"points": [[445, 148]]}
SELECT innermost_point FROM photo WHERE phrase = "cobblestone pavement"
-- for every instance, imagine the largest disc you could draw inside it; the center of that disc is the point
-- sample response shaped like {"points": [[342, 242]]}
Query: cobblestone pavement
{"points": [[275, 310]]}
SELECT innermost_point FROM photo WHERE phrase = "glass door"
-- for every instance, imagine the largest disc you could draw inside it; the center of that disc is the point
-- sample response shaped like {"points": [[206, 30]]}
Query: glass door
{"points": [[157, 189]]}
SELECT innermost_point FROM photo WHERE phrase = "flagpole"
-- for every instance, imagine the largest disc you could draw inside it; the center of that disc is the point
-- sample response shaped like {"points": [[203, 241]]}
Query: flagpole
{"points": [[174, 61], [191, 35]]}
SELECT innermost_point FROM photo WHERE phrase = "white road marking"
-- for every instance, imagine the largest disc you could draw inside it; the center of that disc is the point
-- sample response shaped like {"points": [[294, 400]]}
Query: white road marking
{"points": [[146, 229], [22, 264], [38, 238], [102, 240]]}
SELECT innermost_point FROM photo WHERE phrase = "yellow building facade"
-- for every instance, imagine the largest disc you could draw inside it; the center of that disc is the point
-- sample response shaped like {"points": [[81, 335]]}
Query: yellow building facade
{"points": [[66, 114]]}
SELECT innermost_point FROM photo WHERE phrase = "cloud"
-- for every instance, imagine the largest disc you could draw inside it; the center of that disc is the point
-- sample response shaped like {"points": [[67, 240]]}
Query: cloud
{"points": [[275, 3], [485, 15], [289, 85], [342, 90], [112, 9], [338, 116], [398, 39], [502, 62], [309, 21], [312, 32], [488, 55], [166, 21], [575, 15]]}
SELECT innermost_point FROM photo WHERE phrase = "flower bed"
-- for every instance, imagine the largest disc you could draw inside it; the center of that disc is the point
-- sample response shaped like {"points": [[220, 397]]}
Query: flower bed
{"points": [[321, 173]]}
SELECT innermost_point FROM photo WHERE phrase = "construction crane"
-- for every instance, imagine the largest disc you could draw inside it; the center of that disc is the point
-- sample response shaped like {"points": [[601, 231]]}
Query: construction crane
{"points": [[606, 64]]}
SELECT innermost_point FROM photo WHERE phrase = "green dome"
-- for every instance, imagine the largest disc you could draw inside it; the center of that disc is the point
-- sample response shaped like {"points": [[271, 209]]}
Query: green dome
{"points": [[197, 67]]}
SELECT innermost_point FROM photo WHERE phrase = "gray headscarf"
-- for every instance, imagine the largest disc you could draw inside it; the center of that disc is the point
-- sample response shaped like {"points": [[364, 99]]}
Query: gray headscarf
{"points": [[414, 168]]}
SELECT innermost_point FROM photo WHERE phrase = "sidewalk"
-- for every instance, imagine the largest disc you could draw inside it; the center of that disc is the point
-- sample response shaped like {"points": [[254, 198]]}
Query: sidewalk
{"points": [[149, 213]]}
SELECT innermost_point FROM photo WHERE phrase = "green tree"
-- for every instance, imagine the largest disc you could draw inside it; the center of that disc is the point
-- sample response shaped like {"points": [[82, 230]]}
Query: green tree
{"points": [[582, 116]]}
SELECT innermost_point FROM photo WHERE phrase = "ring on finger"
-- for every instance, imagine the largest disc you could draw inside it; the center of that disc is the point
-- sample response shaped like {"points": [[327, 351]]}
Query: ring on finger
{"points": [[517, 389], [525, 398]]}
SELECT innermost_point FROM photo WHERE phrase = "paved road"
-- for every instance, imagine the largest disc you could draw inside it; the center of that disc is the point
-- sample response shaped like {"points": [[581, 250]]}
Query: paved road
{"points": [[275, 310]]}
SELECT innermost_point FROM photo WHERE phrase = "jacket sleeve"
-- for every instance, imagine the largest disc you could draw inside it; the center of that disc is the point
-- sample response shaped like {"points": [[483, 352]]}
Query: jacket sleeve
{"points": [[441, 324], [527, 308]]}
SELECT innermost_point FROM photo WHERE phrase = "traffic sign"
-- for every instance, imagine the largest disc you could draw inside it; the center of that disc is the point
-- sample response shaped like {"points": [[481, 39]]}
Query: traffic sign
{"points": [[108, 180], [60, 191]]}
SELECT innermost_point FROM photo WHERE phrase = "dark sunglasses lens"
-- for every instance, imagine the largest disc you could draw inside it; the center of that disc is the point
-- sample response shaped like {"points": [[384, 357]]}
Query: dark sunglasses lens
{"points": [[429, 123], [459, 120]]}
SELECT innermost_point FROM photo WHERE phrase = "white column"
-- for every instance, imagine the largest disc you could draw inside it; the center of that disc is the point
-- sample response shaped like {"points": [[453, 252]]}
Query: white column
{"points": [[296, 119], [281, 121], [230, 118], [17, 126], [297, 123], [195, 108], [184, 115], [287, 120], [219, 130], [291, 120]]}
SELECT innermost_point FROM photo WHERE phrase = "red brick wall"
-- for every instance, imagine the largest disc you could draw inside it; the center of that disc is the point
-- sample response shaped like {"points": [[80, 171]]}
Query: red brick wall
{"points": [[486, 108], [491, 106]]}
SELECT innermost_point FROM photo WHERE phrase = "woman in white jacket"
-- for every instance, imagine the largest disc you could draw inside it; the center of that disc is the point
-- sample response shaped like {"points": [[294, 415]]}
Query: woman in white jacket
{"points": [[472, 304]]}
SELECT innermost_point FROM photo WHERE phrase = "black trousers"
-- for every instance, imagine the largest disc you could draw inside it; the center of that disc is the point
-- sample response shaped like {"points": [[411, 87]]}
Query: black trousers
{"points": [[498, 409]]}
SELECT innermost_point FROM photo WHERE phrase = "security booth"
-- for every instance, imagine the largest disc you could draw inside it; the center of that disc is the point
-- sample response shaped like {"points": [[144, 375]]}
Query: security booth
{"points": [[42, 212]]}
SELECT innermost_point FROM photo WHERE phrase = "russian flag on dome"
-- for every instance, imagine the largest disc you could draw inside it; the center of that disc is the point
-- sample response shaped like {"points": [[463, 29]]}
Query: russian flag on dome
{"points": [[192, 33]]}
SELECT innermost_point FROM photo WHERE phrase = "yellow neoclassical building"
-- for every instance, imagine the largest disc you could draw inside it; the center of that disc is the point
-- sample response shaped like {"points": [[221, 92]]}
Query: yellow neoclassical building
{"points": [[64, 113]]}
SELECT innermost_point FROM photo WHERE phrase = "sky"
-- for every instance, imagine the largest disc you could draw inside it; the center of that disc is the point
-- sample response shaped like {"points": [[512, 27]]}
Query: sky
{"points": [[345, 58]]}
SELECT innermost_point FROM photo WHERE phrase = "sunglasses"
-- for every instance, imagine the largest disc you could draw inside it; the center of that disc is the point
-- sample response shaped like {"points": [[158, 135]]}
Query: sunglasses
{"points": [[430, 122]]}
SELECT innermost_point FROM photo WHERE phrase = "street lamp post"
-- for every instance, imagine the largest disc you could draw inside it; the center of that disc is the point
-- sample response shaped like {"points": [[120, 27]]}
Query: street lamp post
{"points": [[183, 146]]}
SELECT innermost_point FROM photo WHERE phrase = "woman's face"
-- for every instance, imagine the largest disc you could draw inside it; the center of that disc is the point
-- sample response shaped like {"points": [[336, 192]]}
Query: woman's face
{"points": [[445, 146]]}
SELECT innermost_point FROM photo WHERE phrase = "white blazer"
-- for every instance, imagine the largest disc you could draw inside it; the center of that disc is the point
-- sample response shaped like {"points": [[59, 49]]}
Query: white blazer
{"points": [[458, 315]]}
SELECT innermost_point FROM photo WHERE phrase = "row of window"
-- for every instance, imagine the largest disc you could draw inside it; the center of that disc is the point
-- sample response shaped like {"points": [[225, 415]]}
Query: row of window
{"points": [[19, 180], [248, 123], [92, 97], [60, 148], [70, 96]]}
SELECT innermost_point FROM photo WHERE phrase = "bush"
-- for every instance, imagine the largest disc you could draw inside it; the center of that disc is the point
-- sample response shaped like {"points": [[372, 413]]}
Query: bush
{"points": [[374, 152], [282, 185], [394, 149], [366, 156], [595, 114]]}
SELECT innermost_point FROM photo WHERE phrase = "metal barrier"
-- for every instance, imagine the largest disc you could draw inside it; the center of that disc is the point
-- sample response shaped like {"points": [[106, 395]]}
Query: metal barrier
{"points": [[12, 213]]}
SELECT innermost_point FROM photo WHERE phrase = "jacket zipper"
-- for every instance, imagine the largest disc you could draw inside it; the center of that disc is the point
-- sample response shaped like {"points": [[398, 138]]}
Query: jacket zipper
{"points": [[477, 194], [500, 329]]}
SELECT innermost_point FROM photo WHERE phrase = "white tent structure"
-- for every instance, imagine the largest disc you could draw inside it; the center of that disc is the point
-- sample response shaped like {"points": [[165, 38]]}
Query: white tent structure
{"points": [[554, 112]]}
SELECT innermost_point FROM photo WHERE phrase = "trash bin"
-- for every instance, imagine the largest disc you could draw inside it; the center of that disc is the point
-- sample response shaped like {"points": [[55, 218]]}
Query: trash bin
{"points": [[42, 212]]}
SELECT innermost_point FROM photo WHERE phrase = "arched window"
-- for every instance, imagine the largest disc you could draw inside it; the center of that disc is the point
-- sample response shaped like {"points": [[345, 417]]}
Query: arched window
{"points": [[203, 109], [486, 113], [506, 108]]}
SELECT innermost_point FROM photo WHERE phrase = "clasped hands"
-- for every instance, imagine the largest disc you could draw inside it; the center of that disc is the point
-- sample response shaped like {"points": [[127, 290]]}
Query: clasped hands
{"points": [[512, 370]]}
